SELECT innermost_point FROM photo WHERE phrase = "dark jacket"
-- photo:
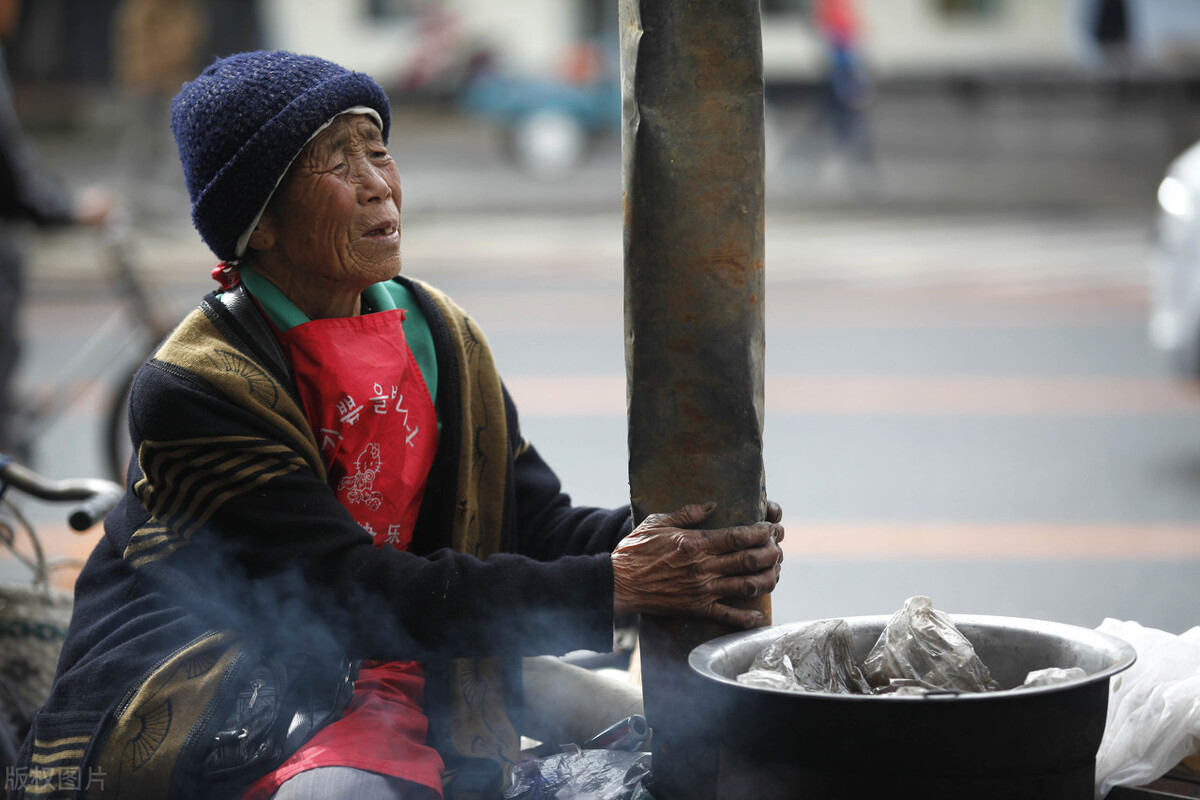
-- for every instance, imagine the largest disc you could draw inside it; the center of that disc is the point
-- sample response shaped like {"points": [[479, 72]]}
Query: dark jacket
{"points": [[26, 193], [230, 551]]}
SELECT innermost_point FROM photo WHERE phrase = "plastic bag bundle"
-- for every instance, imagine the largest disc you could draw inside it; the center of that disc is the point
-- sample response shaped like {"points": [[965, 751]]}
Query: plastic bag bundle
{"points": [[814, 658], [578, 774], [1154, 710], [921, 648], [1052, 676]]}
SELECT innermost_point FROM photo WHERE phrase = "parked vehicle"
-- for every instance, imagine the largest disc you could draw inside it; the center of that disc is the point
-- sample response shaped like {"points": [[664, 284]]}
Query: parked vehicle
{"points": [[548, 123], [1174, 326]]}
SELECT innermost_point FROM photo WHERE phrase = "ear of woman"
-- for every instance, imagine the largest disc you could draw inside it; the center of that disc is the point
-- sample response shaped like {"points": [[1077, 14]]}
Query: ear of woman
{"points": [[263, 237]]}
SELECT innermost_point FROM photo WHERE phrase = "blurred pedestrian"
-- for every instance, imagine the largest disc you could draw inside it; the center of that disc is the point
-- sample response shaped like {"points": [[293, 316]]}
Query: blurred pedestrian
{"points": [[156, 46], [845, 90], [30, 196], [1110, 30]]}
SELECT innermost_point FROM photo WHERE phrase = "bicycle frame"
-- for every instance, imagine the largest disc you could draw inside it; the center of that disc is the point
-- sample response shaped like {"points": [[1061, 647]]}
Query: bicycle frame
{"points": [[121, 341], [35, 617]]}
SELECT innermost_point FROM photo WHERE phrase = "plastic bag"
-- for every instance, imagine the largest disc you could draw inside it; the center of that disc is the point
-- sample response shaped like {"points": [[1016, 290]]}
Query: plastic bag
{"points": [[578, 774], [920, 647], [1154, 707], [1052, 676], [813, 658]]}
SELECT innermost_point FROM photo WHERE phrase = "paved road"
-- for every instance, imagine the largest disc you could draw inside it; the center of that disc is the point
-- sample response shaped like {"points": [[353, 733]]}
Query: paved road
{"points": [[962, 407], [960, 398], [957, 405]]}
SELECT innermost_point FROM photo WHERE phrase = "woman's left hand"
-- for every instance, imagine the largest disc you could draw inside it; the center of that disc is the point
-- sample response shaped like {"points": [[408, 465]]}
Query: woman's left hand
{"points": [[668, 566]]}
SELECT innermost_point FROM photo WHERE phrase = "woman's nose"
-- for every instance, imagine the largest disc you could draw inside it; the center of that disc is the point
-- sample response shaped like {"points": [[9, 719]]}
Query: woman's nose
{"points": [[372, 184]]}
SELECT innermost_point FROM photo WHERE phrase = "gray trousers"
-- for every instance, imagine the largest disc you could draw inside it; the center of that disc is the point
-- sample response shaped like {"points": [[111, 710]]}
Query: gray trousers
{"points": [[329, 783]]}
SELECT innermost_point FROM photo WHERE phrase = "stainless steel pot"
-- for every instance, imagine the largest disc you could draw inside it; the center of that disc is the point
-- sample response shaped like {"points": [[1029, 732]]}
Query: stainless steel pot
{"points": [[1032, 744]]}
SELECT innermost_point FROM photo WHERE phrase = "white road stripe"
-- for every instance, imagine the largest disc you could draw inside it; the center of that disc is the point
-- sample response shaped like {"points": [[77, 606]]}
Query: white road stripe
{"points": [[838, 395], [894, 250]]}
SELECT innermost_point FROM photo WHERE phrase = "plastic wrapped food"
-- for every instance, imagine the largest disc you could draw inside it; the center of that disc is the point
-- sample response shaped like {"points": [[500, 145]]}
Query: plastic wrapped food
{"points": [[770, 679], [578, 774], [919, 651], [814, 658], [921, 647], [1052, 676]]}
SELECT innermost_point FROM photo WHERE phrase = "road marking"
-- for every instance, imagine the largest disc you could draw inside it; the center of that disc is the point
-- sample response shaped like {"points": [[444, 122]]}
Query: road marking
{"points": [[882, 250], [989, 541], [988, 250], [604, 395], [978, 395], [894, 541]]}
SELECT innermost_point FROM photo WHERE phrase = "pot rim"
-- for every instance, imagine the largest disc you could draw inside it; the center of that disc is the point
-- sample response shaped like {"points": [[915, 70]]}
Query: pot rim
{"points": [[1123, 655]]}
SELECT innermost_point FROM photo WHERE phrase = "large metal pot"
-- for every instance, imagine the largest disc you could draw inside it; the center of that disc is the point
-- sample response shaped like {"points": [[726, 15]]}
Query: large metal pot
{"points": [[1031, 744]]}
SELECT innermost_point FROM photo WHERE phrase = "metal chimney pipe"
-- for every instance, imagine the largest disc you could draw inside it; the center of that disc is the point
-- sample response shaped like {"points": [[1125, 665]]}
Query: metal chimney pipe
{"points": [[692, 171]]}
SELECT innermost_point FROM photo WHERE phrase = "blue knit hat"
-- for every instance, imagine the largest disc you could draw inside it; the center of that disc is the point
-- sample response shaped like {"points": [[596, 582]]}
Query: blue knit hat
{"points": [[240, 123]]}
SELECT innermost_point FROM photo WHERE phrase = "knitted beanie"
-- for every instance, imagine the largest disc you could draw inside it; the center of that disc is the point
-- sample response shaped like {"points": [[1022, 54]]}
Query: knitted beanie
{"points": [[243, 120]]}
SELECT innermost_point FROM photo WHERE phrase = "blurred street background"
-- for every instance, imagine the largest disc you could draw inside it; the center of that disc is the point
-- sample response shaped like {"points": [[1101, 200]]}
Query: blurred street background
{"points": [[961, 397]]}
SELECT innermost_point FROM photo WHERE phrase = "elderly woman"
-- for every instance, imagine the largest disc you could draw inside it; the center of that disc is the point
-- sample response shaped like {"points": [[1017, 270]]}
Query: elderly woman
{"points": [[336, 546]]}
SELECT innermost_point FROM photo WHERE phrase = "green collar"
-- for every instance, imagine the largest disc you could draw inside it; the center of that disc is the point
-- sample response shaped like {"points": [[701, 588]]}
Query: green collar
{"points": [[283, 312]]}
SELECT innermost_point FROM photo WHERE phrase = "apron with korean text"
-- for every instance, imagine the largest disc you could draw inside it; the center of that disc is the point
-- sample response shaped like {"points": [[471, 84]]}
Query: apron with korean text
{"points": [[374, 420], [372, 415]]}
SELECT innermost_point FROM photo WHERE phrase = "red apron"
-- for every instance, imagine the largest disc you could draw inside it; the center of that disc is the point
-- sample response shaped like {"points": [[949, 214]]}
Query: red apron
{"points": [[372, 414], [367, 402]]}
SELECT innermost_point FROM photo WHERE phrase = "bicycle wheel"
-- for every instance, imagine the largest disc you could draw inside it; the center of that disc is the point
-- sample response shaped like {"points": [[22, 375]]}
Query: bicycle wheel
{"points": [[117, 446]]}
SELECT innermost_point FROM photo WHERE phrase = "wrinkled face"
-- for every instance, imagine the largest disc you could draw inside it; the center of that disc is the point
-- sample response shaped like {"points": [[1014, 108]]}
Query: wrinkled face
{"points": [[333, 227]]}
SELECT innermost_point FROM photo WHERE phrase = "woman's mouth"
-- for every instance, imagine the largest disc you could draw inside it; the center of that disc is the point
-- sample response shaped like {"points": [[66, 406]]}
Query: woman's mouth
{"points": [[383, 231]]}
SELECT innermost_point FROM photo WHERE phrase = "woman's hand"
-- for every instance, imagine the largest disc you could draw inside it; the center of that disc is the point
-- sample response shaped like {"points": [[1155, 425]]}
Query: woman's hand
{"points": [[665, 566]]}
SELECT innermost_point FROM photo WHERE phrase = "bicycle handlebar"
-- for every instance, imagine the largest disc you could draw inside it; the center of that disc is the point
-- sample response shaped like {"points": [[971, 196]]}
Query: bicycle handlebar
{"points": [[95, 509], [96, 496]]}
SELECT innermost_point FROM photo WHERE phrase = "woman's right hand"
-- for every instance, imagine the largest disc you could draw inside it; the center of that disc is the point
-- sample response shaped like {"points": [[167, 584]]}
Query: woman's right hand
{"points": [[668, 566]]}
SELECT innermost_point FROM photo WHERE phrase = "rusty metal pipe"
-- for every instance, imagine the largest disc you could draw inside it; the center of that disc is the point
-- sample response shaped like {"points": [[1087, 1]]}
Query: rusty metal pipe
{"points": [[692, 173]]}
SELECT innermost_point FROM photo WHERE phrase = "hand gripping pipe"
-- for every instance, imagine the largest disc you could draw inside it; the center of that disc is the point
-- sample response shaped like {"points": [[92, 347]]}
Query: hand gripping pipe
{"points": [[692, 176]]}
